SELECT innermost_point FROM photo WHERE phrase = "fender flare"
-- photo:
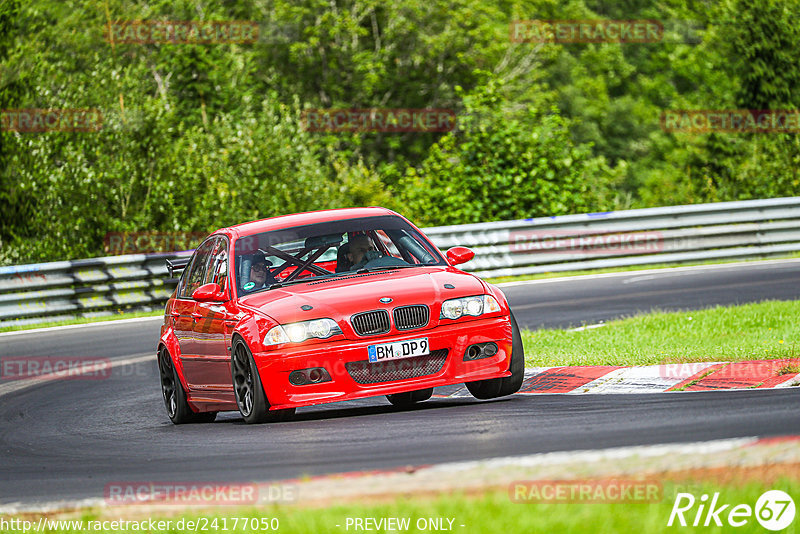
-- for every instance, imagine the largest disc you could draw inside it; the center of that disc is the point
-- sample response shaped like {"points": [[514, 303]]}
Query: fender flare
{"points": [[249, 328], [169, 341]]}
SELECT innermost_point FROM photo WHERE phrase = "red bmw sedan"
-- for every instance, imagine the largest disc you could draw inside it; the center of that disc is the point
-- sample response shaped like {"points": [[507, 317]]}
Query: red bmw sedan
{"points": [[329, 306]]}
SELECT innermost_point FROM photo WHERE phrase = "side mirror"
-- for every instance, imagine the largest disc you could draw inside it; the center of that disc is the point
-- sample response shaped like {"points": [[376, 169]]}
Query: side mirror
{"points": [[208, 293], [459, 255]]}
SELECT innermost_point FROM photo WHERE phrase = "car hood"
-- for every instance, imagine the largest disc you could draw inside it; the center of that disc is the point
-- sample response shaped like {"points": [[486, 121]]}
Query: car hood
{"points": [[341, 297]]}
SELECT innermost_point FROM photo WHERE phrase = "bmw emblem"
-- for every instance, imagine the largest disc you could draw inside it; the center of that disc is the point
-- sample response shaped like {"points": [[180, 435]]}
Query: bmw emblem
{"points": [[386, 300]]}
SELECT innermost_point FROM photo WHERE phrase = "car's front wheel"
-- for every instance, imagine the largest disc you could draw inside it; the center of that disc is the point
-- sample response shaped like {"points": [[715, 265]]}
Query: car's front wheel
{"points": [[248, 389], [408, 398], [500, 387], [174, 396]]}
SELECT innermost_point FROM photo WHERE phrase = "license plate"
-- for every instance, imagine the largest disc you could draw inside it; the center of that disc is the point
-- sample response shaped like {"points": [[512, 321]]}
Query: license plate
{"points": [[398, 349]]}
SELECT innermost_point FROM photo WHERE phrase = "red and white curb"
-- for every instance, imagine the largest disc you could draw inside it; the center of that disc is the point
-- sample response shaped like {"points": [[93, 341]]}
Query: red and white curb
{"points": [[763, 374]]}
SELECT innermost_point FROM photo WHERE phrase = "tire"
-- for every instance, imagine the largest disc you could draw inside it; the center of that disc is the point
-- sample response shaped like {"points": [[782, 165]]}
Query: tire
{"points": [[409, 398], [500, 387], [174, 396], [248, 389], [511, 384]]}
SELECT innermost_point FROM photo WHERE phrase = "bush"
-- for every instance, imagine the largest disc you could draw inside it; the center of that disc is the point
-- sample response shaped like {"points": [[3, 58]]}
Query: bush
{"points": [[505, 165]]}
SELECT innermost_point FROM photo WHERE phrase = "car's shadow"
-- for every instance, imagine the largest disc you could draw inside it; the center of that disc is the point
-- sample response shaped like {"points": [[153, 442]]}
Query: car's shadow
{"points": [[341, 410]]}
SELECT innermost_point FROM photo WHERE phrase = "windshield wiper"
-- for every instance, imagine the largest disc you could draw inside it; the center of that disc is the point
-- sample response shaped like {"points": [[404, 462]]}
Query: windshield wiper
{"points": [[302, 280], [277, 285], [385, 268]]}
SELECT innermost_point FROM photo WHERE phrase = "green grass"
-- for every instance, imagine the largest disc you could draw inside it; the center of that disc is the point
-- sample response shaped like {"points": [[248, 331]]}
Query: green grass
{"points": [[83, 320], [789, 369], [562, 274], [492, 512], [762, 331]]}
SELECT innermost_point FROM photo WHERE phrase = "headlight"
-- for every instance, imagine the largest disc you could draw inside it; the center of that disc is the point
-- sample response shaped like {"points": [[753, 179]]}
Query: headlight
{"points": [[452, 309], [321, 328], [299, 332], [472, 306]]}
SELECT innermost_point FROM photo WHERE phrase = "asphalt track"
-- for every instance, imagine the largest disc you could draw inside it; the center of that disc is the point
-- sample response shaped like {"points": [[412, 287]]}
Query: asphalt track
{"points": [[67, 439], [597, 298]]}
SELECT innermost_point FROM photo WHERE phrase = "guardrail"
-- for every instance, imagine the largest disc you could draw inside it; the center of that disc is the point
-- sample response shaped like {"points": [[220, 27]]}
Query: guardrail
{"points": [[677, 234], [41, 292]]}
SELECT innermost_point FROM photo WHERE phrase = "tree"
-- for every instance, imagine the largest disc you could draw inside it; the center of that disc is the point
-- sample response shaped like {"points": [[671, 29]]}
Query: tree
{"points": [[505, 165]]}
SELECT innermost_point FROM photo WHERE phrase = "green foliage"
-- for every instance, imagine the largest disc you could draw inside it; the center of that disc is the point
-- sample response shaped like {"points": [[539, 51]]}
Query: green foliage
{"points": [[756, 44], [762, 39], [15, 204], [197, 136], [144, 172], [502, 166]]}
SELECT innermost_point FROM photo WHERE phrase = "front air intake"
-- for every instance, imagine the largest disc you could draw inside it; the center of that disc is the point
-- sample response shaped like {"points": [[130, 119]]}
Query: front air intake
{"points": [[409, 317], [370, 323], [364, 372]]}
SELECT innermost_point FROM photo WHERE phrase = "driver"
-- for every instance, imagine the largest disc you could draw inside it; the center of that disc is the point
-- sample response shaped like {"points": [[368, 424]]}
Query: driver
{"points": [[361, 252], [260, 277]]}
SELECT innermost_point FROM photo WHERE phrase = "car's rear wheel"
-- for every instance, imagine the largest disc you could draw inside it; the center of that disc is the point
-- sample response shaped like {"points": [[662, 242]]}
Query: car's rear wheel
{"points": [[408, 398], [174, 396], [248, 389], [500, 387]]}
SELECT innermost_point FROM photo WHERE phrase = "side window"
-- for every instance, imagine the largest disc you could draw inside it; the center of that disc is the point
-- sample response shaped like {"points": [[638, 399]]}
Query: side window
{"points": [[197, 269], [182, 280], [218, 268]]}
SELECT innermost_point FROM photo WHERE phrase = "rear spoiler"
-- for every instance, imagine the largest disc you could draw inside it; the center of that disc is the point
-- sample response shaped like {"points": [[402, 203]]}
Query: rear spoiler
{"points": [[177, 264]]}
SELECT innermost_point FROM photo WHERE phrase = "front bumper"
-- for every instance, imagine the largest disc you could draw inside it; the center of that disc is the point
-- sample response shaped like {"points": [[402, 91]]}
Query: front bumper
{"points": [[275, 366]]}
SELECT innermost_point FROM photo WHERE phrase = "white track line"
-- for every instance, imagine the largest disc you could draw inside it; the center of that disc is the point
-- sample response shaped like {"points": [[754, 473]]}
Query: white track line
{"points": [[616, 453], [652, 272], [84, 325], [587, 327], [10, 386], [791, 382]]}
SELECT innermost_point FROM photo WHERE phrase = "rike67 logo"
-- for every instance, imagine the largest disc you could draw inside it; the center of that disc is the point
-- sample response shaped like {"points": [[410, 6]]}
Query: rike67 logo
{"points": [[774, 510]]}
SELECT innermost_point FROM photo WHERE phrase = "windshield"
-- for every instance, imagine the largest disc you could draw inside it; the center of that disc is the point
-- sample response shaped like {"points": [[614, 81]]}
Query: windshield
{"points": [[325, 250]]}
